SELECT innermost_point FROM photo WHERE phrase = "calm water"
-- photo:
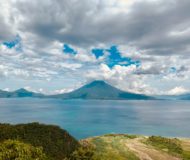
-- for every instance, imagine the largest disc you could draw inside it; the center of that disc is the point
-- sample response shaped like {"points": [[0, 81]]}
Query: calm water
{"points": [[90, 117]]}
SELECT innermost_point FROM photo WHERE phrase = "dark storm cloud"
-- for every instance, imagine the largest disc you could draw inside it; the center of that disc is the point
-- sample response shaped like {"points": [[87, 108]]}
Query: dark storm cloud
{"points": [[149, 71], [6, 32], [153, 26]]}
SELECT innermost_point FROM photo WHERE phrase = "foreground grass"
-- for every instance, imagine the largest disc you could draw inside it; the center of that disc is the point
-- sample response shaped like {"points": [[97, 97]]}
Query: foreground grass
{"points": [[36, 141], [173, 146], [111, 147], [131, 147]]}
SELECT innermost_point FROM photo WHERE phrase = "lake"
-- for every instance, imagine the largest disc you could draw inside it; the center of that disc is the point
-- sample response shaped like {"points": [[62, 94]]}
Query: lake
{"points": [[85, 118]]}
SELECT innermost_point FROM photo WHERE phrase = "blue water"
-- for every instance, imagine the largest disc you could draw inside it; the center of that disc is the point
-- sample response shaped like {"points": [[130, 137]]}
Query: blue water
{"points": [[84, 118]]}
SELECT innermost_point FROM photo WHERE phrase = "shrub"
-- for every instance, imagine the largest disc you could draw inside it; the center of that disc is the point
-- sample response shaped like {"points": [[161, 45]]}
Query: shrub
{"points": [[83, 153], [15, 150]]}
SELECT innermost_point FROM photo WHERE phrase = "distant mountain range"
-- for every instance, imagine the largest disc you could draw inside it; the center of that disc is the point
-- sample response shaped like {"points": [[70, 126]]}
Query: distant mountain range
{"points": [[183, 96], [94, 90], [19, 93], [174, 97]]}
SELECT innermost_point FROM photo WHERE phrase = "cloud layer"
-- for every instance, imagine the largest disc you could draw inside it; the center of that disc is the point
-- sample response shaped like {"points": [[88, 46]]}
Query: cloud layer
{"points": [[138, 45]]}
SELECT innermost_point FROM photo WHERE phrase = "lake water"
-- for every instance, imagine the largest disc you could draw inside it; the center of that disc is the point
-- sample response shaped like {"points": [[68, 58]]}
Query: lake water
{"points": [[85, 118]]}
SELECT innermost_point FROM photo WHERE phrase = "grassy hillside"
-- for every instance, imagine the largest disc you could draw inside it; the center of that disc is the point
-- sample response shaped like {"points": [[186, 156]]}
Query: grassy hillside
{"points": [[126, 147]]}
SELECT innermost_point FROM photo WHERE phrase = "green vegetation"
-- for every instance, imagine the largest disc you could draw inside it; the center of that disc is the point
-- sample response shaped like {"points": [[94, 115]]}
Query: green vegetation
{"points": [[56, 143], [36, 141], [186, 155], [172, 146], [83, 153], [15, 150], [121, 135], [112, 147]]}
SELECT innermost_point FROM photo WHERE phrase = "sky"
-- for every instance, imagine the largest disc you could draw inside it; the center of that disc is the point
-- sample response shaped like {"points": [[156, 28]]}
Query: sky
{"points": [[55, 46]]}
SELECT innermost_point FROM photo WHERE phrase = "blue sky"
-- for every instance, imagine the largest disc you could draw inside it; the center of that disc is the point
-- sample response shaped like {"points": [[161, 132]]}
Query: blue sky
{"points": [[140, 46]]}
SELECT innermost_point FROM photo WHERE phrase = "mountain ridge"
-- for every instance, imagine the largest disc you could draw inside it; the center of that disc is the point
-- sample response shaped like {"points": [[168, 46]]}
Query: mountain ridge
{"points": [[97, 89], [20, 93]]}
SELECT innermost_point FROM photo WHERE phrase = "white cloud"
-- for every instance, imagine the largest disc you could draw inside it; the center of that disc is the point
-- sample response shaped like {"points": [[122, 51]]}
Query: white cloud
{"points": [[177, 91], [60, 91], [121, 77], [154, 32], [6, 89]]}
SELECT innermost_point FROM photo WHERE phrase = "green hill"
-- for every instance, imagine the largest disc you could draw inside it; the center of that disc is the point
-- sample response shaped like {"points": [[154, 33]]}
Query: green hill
{"points": [[56, 142]]}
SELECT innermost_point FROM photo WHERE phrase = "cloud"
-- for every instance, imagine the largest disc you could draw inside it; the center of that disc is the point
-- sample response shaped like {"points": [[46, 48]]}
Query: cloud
{"points": [[136, 45], [121, 77], [177, 91], [6, 89], [61, 91], [7, 30], [154, 26]]}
